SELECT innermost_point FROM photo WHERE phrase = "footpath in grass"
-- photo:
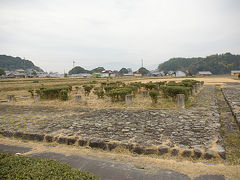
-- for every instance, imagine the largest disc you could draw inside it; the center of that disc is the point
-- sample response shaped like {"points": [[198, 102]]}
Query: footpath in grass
{"points": [[22, 167]]}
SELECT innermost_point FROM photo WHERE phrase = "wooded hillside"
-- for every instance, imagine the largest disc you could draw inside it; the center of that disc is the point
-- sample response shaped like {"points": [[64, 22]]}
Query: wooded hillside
{"points": [[217, 64], [12, 63]]}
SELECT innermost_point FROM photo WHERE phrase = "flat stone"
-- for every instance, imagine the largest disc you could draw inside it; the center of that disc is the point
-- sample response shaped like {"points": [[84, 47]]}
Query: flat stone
{"points": [[150, 151], [97, 143], [71, 141], [209, 155], [197, 153], [186, 153], [112, 145], [221, 151], [174, 152], [162, 150], [18, 134], [62, 140], [138, 150], [82, 142], [49, 138]]}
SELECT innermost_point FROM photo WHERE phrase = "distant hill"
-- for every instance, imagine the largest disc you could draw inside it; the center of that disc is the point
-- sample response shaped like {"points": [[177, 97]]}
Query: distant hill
{"points": [[12, 63], [217, 64], [78, 70]]}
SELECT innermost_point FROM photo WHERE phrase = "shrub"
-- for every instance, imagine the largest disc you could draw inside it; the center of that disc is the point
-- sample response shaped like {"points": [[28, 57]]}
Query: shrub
{"points": [[109, 88], [172, 83], [99, 92], [154, 95], [87, 89], [134, 89], [63, 95], [120, 83], [189, 83], [69, 88], [172, 91], [93, 82], [161, 83], [51, 93], [31, 91], [150, 85], [23, 167], [35, 81], [37, 91], [119, 93]]}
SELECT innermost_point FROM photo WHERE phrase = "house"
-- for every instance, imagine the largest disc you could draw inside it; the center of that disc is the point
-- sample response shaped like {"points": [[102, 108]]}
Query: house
{"points": [[42, 74], [112, 74], [128, 74], [81, 75], [235, 72], [204, 73], [106, 73], [180, 74], [171, 73], [137, 73], [55, 74], [10, 75]]}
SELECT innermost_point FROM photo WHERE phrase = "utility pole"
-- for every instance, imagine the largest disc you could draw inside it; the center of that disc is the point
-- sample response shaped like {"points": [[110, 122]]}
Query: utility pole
{"points": [[73, 64], [142, 62]]}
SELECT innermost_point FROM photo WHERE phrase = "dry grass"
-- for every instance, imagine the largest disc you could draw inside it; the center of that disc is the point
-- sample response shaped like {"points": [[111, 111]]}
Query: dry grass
{"points": [[208, 80], [94, 102], [19, 87]]}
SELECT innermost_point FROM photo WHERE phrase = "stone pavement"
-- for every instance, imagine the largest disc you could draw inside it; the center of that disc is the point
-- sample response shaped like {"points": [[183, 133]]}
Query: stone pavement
{"points": [[190, 132]]}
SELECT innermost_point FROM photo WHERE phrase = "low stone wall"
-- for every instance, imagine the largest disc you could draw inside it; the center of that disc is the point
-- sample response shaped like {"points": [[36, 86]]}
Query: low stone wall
{"points": [[106, 145], [192, 132]]}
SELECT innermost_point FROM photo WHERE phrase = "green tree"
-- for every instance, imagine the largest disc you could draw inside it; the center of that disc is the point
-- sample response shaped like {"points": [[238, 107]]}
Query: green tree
{"points": [[12, 63], [123, 71], [78, 70], [217, 64], [143, 70], [98, 70], [34, 73], [2, 72]]}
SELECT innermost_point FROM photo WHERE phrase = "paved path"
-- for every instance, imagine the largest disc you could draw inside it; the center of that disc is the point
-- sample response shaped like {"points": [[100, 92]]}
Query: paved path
{"points": [[108, 170]]}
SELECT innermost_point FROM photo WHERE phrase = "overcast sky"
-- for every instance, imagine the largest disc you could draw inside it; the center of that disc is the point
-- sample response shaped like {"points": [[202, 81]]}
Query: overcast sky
{"points": [[117, 33]]}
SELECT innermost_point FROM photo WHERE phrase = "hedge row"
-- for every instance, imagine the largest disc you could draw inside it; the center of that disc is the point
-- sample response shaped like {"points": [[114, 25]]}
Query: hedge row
{"points": [[23, 167], [172, 91], [54, 93]]}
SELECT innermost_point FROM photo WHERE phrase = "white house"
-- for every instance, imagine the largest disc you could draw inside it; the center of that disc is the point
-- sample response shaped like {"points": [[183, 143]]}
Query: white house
{"points": [[81, 75], [180, 74], [205, 73], [137, 73]]}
